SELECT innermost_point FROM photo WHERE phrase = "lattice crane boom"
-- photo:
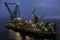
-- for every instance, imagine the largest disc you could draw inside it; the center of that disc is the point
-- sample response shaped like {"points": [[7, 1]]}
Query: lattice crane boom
{"points": [[13, 14], [9, 10]]}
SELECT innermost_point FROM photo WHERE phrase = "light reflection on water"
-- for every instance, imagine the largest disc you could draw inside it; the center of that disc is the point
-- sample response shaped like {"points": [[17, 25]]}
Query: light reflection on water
{"points": [[17, 36]]}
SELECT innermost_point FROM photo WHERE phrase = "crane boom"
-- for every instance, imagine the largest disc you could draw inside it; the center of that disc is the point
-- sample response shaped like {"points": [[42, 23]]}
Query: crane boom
{"points": [[9, 10], [13, 14], [33, 12], [16, 9], [35, 16]]}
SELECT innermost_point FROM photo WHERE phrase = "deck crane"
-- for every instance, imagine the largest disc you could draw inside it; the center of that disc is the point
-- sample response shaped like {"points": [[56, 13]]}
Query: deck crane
{"points": [[35, 16], [14, 22], [13, 14]]}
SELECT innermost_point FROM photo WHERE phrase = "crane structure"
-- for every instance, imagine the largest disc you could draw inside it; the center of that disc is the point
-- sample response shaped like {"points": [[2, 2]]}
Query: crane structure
{"points": [[33, 15], [36, 17], [14, 22], [13, 14]]}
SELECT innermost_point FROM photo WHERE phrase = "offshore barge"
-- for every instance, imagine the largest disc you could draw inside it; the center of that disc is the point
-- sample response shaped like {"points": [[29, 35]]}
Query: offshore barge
{"points": [[30, 27]]}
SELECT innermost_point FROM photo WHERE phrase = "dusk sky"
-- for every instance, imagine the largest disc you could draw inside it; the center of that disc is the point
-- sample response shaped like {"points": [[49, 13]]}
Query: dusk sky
{"points": [[49, 7]]}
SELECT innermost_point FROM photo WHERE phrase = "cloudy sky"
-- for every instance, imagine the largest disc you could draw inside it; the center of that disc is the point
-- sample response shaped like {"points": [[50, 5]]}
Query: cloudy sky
{"points": [[49, 7]]}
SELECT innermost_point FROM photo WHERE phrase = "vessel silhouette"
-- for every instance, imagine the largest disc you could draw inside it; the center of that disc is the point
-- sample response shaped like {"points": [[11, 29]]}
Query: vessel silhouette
{"points": [[28, 26]]}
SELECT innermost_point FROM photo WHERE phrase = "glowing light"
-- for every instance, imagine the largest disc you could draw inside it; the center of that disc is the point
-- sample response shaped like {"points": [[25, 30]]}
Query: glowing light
{"points": [[45, 29], [19, 18], [43, 26], [45, 39], [17, 4], [26, 21], [33, 25], [10, 23], [30, 21]]}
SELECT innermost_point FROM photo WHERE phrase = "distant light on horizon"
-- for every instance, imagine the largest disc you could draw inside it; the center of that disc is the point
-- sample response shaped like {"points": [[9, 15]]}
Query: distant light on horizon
{"points": [[52, 17]]}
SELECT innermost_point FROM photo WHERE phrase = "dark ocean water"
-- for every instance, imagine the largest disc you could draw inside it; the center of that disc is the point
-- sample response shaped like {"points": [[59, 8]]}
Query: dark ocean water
{"points": [[4, 32]]}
